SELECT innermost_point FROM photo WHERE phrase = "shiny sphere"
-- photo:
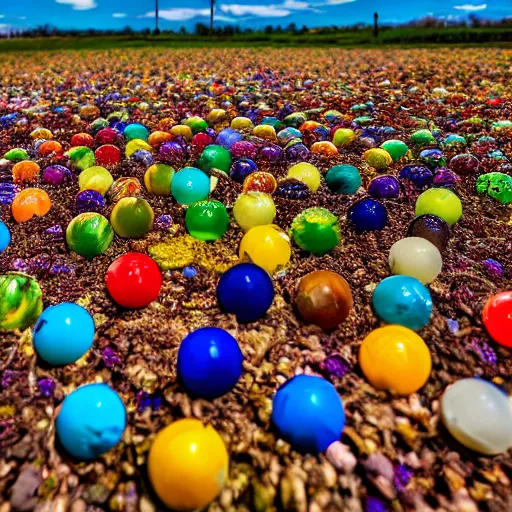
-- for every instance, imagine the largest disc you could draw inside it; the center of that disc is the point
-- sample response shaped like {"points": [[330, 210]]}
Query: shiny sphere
{"points": [[307, 174], [190, 185], [324, 299], [158, 179], [431, 228], [367, 215], [478, 415], [91, 421], [108, 155], [254, 209], [132, 217], [124, 187], [343, 179], [419, 175], [308, 413], [20, 301], [396, 148], [343, 137], [95, 178], [244, 149], [136, 145], [242, 168], [81, 157], [133, 280], [245, 290], [188, 465], [30, 202], [384, 187], [207, 220], [402, 300], [227, 137], [209, 362], [171, 153], [441, 202], [260, 181], [416, 257], [378, 158], [214, 157], [136, 131], [5, 237], [271, 153], [89, 234], [56, 175], [63, 333], [395, 359], [82, 139], [89, 201], [266, 246], [464, 163], [316, 230], [25, 172], [497, 318]]}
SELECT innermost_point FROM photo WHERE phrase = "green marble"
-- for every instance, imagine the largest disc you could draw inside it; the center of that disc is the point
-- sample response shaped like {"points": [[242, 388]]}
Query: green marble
{"points": [[207, 220], [316, 230], [423, 138], [396, 148], [81, 157], [214, 157], [20, 301], [89, 234], [132, 217]]}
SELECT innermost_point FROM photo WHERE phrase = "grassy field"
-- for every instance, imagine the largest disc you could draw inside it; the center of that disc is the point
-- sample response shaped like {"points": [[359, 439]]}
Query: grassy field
{"points": [[390, 37]]}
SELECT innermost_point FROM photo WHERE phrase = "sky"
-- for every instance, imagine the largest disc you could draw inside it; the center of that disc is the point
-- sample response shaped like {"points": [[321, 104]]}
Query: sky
{"points": [[139, 14]]}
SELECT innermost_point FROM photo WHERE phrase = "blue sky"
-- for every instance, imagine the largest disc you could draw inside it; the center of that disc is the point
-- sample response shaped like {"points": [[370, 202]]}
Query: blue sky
{"points": [[246, 13]]}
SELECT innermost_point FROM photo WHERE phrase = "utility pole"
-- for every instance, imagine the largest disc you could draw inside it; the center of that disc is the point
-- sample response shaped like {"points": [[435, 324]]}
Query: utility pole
{"points": [[156, 17], [376, 24], [212, 5]]}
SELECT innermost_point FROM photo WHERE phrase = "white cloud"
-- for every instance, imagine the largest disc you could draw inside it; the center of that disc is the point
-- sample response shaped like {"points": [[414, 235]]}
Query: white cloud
{"points": [[470, 7], [119, 15], [177, 14], [338, 2], [79, 5], [260, 11]]}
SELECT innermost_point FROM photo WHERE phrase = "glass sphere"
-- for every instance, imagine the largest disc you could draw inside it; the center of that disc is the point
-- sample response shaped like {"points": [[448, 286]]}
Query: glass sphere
{"points": [[95, 178], [89, 234], [124, 187], [465, 163], [188, 464], [89, 201], [384, 187], [254, 209], [307, 174], [478, 414], [402, 300], [158, 179], [367, 215], [415, 257], [377, 158], [432, 228], [343, 179], [343, 137], [260, 181], [324, 299], [441, 202], [420, 176], [56, 175], [172, 153], [25, 171], [190, 185], [214, 157], [20, 301], [316, 230], [395, 359], [207, 220], [396, 148], [30, 202], [497, 318], [132, 217], [242, 168], [267, 246]]}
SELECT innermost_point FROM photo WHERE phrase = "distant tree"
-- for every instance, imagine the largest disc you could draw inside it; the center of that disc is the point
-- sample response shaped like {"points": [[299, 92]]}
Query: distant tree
{"points": [[229, 31], [269, 29], [304, 29], [127, 31], [201, 29], [292, 28], [475, 21], [183, 31], [237, 30], [279, 29]]}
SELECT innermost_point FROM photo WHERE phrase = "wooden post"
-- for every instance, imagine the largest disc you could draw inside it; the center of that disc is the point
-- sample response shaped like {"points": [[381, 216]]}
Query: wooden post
{"points": [[376, 24], [212, 5]]}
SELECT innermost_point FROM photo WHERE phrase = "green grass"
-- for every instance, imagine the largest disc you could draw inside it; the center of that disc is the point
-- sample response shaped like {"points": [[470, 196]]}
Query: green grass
{"points": [[501, 37]]}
